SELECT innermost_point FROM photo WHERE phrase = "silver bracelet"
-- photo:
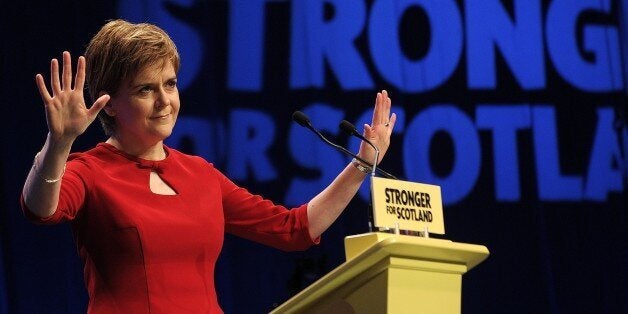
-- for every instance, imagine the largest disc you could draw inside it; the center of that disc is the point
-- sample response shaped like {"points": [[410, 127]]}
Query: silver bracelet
{"points": [[361, 167], [40, 176]]}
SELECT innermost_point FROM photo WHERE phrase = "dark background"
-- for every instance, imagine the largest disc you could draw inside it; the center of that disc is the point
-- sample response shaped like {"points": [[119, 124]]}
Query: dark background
{"points": [[558, 257]]}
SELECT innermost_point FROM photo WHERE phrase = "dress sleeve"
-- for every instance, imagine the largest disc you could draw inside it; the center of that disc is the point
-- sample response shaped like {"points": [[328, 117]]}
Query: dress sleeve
{"points": [[71, 196], [252, 217]]}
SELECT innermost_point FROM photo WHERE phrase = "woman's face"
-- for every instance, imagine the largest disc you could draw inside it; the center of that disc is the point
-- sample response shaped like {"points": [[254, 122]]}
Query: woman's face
{"points": [[146, 106]]}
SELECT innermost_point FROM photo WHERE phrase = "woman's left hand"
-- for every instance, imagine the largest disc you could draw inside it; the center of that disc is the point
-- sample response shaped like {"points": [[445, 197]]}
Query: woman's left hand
{"points": [[380, 129]]}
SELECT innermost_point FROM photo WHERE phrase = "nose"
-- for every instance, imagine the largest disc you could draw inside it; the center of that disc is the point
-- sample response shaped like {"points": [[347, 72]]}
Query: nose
{"points": [[162, 99]]}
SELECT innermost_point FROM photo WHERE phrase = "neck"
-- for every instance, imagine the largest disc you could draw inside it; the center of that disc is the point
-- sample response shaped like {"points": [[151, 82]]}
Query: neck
{"points": [[153, 151]]}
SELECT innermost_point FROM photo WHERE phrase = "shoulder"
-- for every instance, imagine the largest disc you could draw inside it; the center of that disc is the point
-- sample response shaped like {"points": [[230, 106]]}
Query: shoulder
{"points": [[91, 164], [177, 155], [99, 154]]}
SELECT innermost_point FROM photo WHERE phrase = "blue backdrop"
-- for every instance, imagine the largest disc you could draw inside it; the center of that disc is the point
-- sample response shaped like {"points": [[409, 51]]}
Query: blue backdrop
{"points": [[516, 108]]}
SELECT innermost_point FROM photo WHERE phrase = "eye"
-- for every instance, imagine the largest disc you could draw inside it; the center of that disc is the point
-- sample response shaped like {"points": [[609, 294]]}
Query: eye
{"points": [[171, 83], [145, 89]]}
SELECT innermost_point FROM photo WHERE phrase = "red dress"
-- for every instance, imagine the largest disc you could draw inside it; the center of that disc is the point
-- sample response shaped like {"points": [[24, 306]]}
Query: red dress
{"points": [[144, 252]]}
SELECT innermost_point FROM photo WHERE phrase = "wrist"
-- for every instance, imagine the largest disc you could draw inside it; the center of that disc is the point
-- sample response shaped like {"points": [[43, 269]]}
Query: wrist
{"points": [[36, 166], [59, 144], [361, 167]]}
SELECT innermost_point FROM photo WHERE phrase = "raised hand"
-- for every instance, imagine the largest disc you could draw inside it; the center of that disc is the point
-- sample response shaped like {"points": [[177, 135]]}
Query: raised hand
{"points": [[66, 113], [380, 129]]}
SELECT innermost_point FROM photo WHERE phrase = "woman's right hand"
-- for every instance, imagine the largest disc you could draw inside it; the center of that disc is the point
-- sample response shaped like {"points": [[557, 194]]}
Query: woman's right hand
{"points": [[66, 113]]}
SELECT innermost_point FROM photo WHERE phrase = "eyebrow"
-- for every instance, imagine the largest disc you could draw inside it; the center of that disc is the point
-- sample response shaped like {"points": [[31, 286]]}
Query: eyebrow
{"points": [[145, 83]]}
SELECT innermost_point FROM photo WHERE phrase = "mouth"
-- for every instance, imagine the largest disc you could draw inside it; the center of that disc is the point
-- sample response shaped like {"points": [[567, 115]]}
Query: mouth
{"points": [[161, 117]]}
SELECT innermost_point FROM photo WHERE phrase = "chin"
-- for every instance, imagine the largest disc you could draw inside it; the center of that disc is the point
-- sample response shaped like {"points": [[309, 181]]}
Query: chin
{"points": [[162, 132]]}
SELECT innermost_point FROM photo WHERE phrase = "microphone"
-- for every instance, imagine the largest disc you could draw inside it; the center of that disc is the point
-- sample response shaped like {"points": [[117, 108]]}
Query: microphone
{"points": [[350, 129], [302, 119]]}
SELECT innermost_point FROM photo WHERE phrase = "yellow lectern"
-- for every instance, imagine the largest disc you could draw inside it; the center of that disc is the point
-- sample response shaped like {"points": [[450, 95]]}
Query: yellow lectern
{"points": [[388, 273]]}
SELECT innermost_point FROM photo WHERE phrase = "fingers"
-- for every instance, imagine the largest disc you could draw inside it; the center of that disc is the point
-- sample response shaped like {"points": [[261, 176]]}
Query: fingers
{"points": [[381, 113], [376, 112], [79, 81], [43, 91], [391, 126], [55, 85], [369, 132], [64, 82], [66, 79], [98, 105]]}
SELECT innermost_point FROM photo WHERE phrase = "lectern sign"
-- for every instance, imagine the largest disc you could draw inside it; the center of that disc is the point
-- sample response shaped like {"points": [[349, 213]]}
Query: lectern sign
{"points": [[407, 205]]}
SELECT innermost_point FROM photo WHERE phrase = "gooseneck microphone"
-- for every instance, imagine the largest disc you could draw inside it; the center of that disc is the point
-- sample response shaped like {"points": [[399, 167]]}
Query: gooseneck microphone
{"points": [[302, 119]]}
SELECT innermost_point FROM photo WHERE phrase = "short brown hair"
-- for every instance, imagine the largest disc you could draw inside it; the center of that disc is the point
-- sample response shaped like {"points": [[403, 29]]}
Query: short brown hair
{"points": [[119, 50]]}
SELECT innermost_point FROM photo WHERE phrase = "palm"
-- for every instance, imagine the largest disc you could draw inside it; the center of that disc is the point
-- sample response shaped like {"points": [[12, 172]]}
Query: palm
{"points": [[66, 113]]}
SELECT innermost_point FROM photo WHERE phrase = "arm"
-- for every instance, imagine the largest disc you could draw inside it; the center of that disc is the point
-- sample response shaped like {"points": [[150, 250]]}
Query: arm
{"points": [[67, 118], [325, 207]]}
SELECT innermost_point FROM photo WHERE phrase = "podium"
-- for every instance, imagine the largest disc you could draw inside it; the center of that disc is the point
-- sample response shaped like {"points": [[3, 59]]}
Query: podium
{"points": [[388, 273]]}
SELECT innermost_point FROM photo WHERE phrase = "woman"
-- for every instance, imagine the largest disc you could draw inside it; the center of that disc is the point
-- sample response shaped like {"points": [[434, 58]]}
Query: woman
{"points": [[148, 220]]}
